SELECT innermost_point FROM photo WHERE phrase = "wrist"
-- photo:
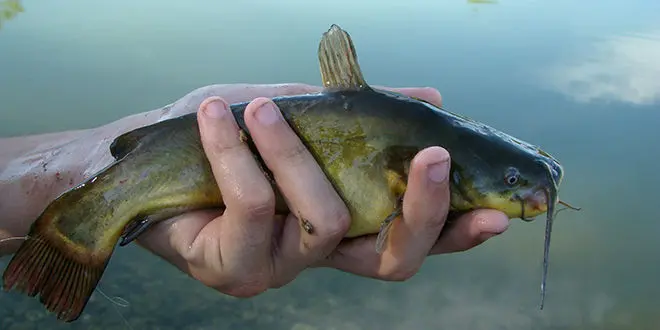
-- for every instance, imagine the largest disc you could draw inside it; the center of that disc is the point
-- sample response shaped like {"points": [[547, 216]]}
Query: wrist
{"points": [[34, 171]]}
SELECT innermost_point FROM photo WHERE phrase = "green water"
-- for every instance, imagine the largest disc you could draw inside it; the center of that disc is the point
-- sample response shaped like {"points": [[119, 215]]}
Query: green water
{"points": [[580, 78]]}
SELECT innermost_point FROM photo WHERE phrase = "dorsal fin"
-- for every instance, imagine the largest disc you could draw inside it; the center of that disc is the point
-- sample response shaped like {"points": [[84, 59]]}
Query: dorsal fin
{"points": [[338, 61]]}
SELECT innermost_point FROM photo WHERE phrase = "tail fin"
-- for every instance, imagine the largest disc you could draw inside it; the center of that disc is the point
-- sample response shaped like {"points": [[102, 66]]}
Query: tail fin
{"points": [[64, 279]]}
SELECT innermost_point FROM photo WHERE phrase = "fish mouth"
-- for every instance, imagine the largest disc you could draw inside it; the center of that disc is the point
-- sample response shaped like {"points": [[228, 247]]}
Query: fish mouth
{"points": [[532, 203], [536, 202]]}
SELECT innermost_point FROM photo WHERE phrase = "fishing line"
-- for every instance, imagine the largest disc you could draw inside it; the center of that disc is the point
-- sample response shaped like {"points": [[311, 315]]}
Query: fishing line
{"points": [[117, 301], [16, 238], [562, 209], [13, 239]]}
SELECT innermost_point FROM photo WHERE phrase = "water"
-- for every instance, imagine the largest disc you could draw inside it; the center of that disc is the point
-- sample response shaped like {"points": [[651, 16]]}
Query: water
{"points": [[578, 78]]}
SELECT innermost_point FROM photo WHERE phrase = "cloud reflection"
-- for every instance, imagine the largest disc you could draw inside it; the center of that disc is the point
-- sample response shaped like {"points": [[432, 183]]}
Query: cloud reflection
{"points": [[621, 68]]}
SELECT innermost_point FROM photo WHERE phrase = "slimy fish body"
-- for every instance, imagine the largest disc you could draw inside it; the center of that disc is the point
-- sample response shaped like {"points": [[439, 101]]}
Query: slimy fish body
{"points": [[363, 138]]}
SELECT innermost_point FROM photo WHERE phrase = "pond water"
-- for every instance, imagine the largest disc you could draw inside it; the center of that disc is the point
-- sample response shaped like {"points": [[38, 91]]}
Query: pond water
{"points": [[581, 79]]}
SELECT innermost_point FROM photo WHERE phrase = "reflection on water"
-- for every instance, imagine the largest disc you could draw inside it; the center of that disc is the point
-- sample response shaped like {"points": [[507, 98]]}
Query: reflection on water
{"points": [[624, 68], [9, 9]]}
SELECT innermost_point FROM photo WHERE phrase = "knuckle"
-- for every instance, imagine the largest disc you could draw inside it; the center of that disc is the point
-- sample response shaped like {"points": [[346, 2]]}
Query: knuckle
{"points": [[435, 223], [428, 220], [336, 223], [294, 155], [257, 203], [281, 282], [224, 148], [191, 255], [242, 285], [341, 223], [400, 274], [218, 142], [246, 288]]}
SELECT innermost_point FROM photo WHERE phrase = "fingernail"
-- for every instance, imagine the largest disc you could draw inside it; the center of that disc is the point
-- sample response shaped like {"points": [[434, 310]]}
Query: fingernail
{"points": [[267, 114], [438, 172], [216, 108]]}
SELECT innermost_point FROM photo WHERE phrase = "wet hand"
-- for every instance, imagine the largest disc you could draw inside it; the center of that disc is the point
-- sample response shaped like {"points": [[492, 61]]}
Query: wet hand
{"points": [[415, 235], [248, 249], [425, 211]]}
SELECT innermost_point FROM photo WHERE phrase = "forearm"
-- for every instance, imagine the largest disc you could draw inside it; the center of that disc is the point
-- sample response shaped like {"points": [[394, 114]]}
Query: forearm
{"points": [[31, 172], [36, 169]]}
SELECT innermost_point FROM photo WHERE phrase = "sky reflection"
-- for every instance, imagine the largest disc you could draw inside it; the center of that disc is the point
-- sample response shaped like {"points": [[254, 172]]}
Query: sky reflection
{"points": [[622, 68]]}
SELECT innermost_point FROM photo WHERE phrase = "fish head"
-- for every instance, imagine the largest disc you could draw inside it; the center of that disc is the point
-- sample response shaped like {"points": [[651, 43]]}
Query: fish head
{"points": [[505, 174], [496, 171]]}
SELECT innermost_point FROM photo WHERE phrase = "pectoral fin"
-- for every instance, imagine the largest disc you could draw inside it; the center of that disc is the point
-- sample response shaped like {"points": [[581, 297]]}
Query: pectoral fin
{"points": [[397, 186], [134, 229], [142, 222], [385, 228]]}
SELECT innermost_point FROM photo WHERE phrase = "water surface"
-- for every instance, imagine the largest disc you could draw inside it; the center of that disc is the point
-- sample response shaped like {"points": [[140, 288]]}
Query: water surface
{"points": [[581, 79]]}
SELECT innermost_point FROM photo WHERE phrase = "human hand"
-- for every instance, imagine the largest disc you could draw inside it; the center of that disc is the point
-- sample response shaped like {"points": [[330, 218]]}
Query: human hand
{"points": [[248, 249]]}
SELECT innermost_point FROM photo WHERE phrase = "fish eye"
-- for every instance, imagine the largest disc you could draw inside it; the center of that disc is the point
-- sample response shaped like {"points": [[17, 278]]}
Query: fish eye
{"points": [[511, 176]]}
